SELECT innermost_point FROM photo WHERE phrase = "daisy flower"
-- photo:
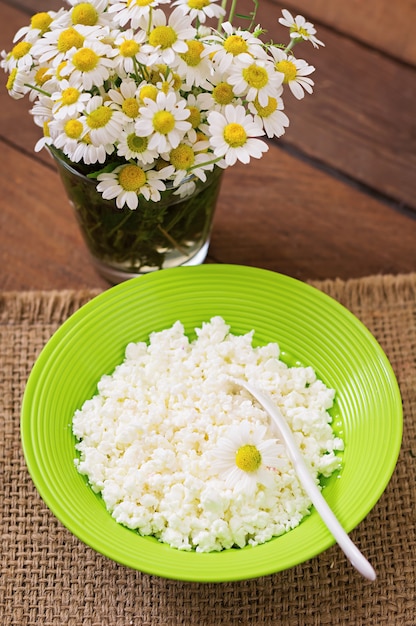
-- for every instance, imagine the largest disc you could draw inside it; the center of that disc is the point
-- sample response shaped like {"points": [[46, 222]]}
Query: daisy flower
{"points": [[103, 123], [300, 28], [232, 135], [20, 57], [163, 121], [271, 116], [17, 82], [69, 100], [127, 182], [295, 72], [234, 45], [55, 44], [125, 99], [128, 44], [255, 79], [67, 133], [131, 146], [91, 65], [195, 68], [89, 154], [39, 24], [245, 459], [168, 36], [185, 159], [200, 9], [91, 13], [137, 12]]}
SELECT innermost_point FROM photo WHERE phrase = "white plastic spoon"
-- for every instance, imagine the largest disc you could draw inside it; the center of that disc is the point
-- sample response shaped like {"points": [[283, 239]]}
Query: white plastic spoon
{"points": [[351, 551]]}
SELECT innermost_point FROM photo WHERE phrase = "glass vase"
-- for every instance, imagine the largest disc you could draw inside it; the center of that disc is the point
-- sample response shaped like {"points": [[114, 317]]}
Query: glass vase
{"points": [[124, 243]]}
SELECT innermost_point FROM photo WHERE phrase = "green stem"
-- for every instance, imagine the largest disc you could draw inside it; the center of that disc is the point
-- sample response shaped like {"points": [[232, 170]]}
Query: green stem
{"points": [[221, 18], [232, 11], [42, 91]]}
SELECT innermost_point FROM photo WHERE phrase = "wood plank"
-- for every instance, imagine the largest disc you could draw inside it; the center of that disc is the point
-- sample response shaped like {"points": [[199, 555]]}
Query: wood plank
{"points": [[40, 244], [288, 218], [361, 119], [381, 24], [293, 219]]}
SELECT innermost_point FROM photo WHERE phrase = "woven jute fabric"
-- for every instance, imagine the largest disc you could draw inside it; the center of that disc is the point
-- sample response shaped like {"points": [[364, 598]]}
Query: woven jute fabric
{"points": [[50, 578]]}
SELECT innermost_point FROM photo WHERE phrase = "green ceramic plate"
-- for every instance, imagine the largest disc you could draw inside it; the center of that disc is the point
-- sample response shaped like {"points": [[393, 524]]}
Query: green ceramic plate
{"points": [[311, 329]]}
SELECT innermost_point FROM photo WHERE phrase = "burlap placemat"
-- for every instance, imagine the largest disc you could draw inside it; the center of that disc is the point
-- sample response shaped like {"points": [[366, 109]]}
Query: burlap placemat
{"points": [[49, 578]]}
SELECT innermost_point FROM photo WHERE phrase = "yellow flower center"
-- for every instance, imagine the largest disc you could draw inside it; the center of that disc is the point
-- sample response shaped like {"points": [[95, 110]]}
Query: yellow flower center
{"points": [[193, 56], [139, 3], [59, 69], [163, 122], [198, 4], [137, 144], [11, 79], [100, 117], [235, 135], [163, 36], [299, 29], [70, 95], [21, 49], [268, 110], [182, 157], [46, 132], [129, 48], [73, 129], [131, 178], [248, 458], [42, 75], [84, 13], [223, 93], [288, 69], [255, 76], [85, 60], [69, 38], [194, 117], [148, 91], [130, 107], [41, 21], [235, 44]]}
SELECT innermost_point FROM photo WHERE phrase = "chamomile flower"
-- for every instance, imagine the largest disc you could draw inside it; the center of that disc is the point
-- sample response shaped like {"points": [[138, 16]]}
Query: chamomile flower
{"points": [[271, 116], [168, 35], [131, 146], [91, 65], [125, 99], [201, 9], [91, 13], [129, 46], [244, 458], [103, 123], [185, 159], [137, 12], [195, 68], [20, 57], [40, 23], [255, 79], [163, 121], [233, 135], [127, 182], [17, 83], [88, 153], [55, 44], [67, 133], [219, 95], [300, 28], [295, 72], [69, 99], [42, 110], [233, 45]]}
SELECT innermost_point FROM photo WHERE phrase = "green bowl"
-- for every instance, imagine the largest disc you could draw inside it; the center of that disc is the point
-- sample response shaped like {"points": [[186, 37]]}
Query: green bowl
{"points": [[311, 329]]}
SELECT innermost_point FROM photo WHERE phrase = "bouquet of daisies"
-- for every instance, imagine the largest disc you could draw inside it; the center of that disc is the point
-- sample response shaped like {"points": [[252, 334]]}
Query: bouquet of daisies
{"points": [[140, 97]]}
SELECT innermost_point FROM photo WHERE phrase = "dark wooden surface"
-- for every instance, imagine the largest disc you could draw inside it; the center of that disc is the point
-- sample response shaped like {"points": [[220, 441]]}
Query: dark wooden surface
{"points": [[336, 197]]}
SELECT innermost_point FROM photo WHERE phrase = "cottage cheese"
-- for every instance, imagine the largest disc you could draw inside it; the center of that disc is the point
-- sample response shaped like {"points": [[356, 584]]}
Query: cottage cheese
{"points": [[147, 439]]}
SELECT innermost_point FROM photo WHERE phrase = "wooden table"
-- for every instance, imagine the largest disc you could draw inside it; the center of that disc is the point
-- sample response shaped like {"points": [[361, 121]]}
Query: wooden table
{"points": [[336, 197]]}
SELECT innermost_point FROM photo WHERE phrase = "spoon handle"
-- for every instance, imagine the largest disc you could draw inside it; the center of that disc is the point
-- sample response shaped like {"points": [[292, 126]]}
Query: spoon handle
{"points": [[350, 550]]}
